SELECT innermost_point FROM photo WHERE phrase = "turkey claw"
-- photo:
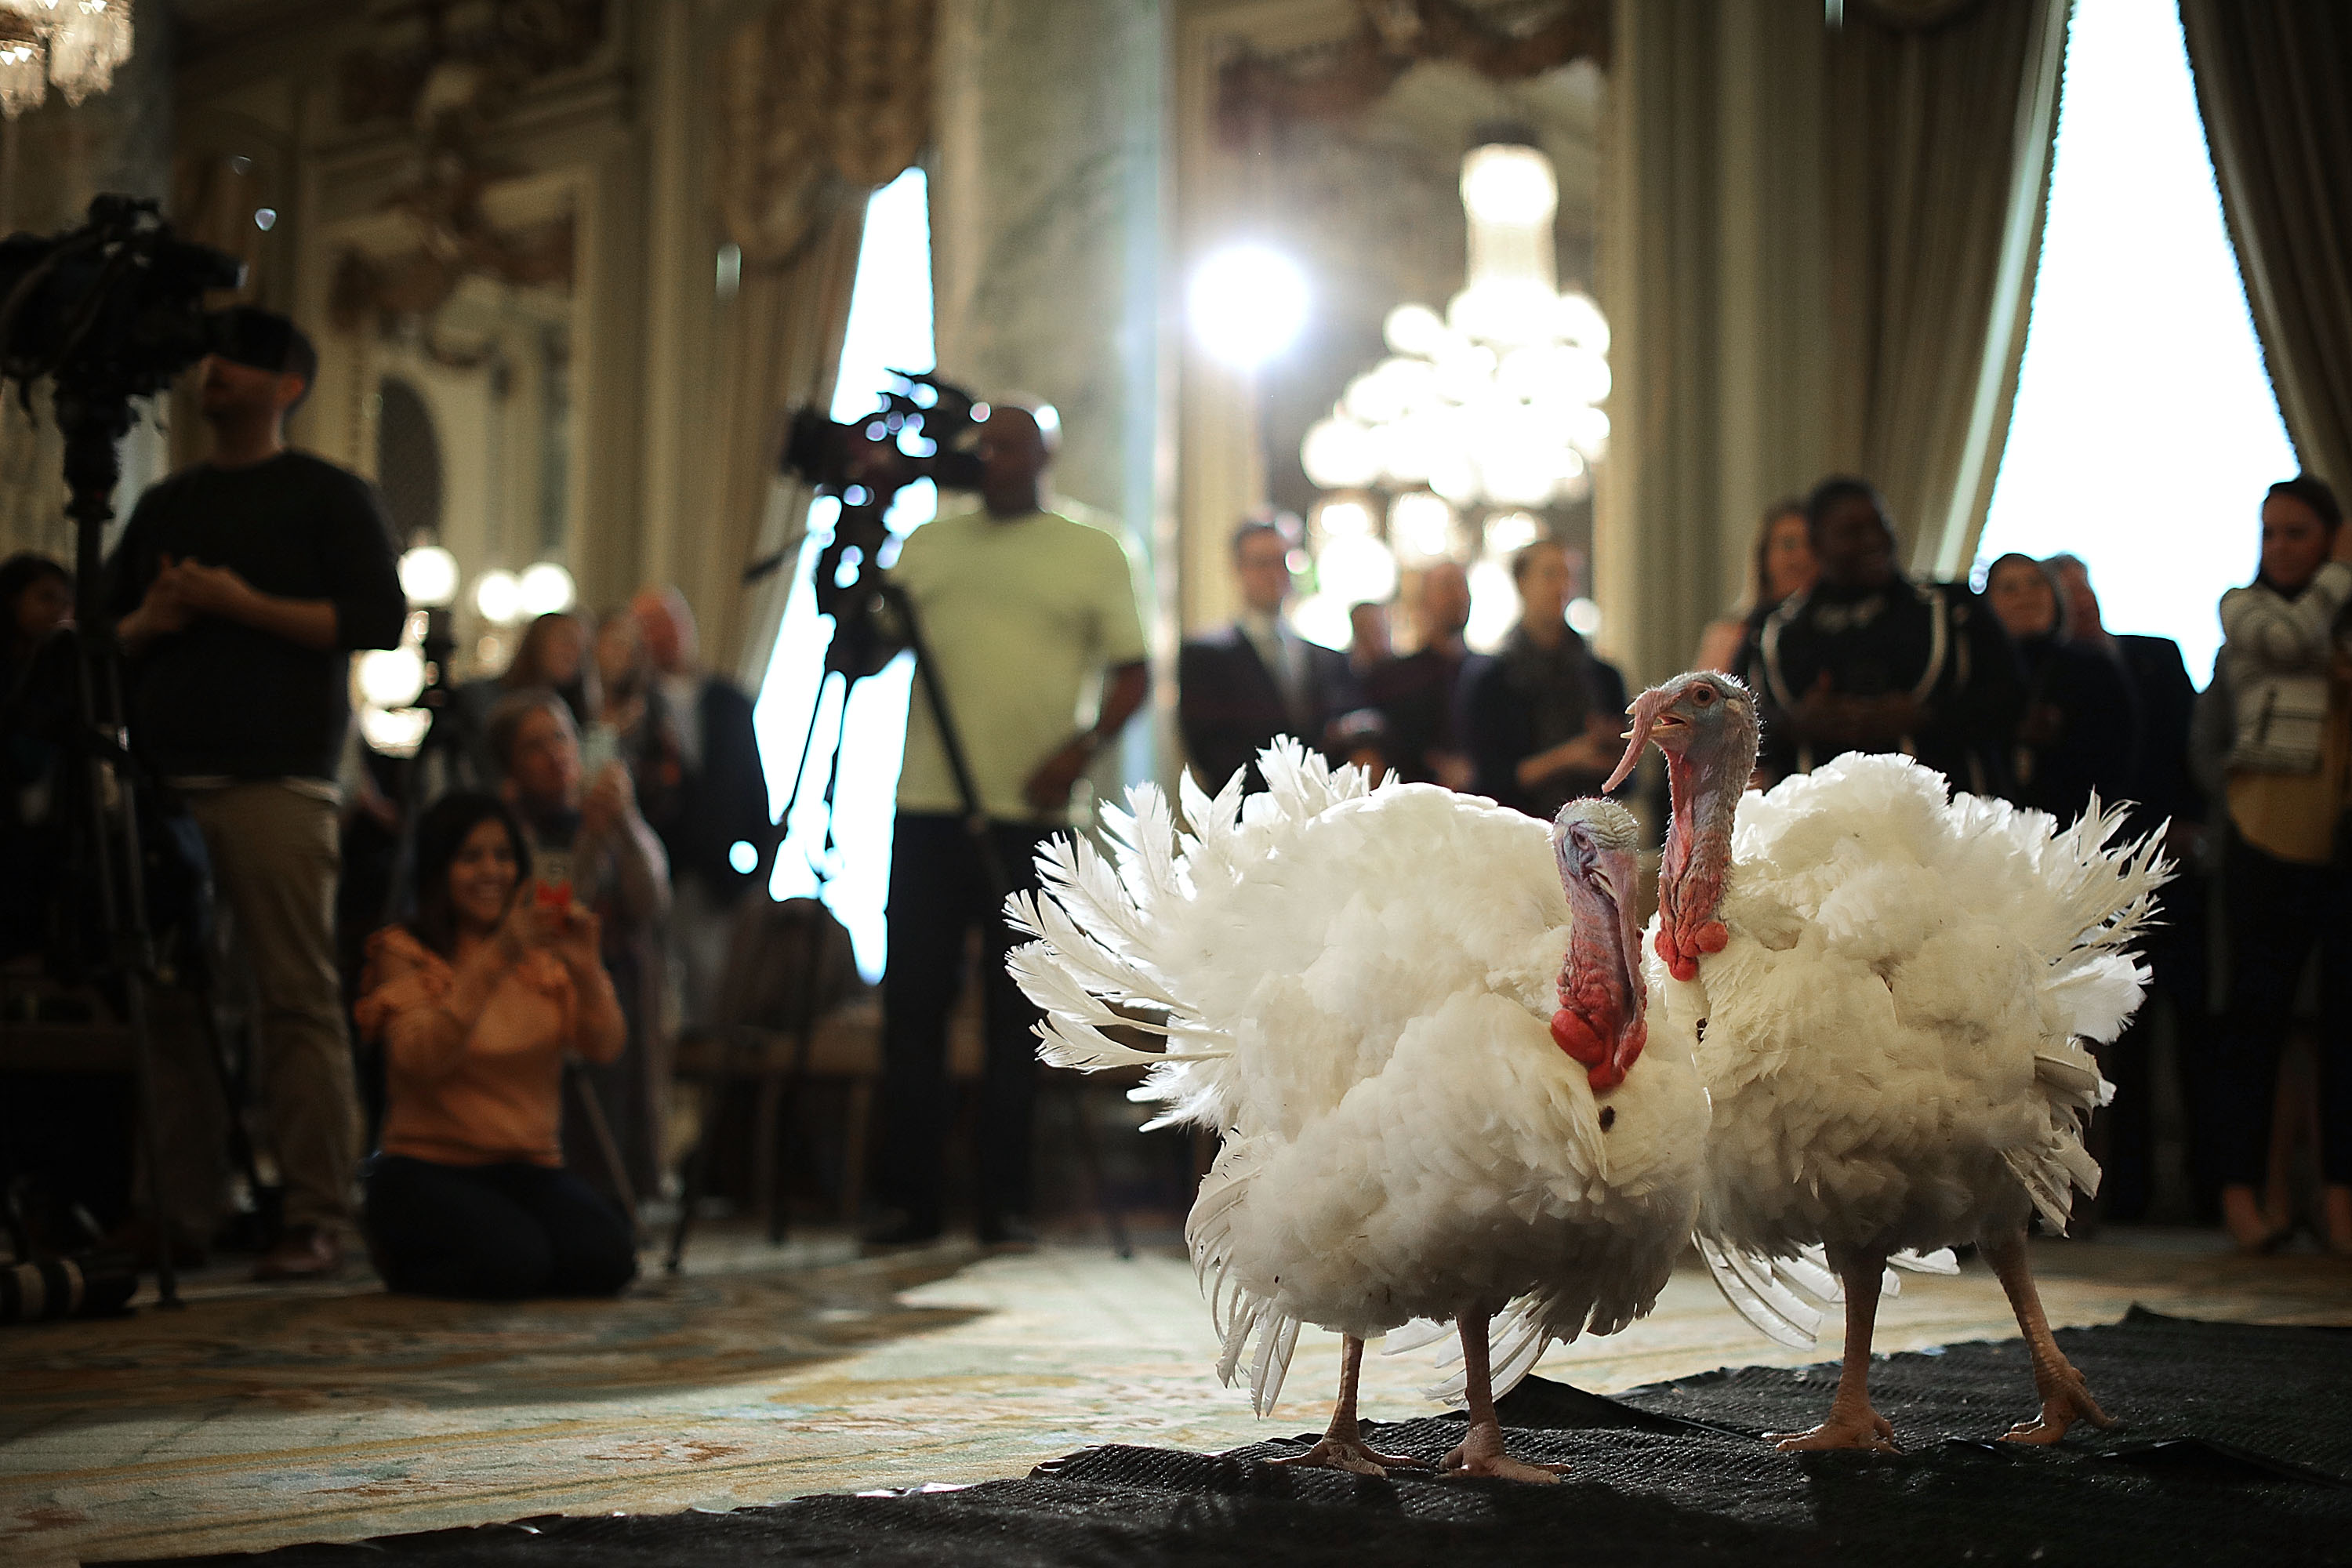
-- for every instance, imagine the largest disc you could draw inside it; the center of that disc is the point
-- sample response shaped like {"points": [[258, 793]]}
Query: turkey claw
{"points": [[2066, 1400], [1501, 1468], [1356, 1457], [1481, 1457], [1870, 1432]]}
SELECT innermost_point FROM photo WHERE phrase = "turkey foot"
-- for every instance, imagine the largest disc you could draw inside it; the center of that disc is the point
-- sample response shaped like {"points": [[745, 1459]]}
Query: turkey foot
{"points": [[1853, 1424], [1353, 1454], [1864, 1428], [1480, 1452], [1342, 1446], [2066, 1397]]}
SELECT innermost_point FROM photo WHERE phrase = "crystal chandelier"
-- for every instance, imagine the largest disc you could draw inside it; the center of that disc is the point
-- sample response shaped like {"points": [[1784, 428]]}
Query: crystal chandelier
{"points": [[75, 44], [1495, 401], [1476, 419]]}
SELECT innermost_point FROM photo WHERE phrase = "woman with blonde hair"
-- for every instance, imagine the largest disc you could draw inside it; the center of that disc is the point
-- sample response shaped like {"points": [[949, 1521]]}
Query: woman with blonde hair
{"points": [[2283, 696]]}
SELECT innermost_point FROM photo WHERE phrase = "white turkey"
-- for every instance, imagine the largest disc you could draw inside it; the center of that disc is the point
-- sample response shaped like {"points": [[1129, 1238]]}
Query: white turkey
{"points": [[1416, 1019], [1885, 987]]}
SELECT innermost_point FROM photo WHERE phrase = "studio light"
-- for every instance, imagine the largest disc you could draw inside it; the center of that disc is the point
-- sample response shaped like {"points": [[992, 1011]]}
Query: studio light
{"points": [[545, 589], [392, 676], [499, 596], [1246, 304], [428, 576]]}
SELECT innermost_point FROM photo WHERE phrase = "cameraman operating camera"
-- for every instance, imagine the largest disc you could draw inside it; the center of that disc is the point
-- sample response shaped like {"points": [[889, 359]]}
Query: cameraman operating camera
{"points": [[1023, 611], [241, 586]]}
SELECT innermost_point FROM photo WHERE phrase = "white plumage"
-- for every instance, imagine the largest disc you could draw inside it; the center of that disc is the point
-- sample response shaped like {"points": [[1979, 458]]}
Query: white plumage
{"points": [[1891, 1018], [1355, 986]]}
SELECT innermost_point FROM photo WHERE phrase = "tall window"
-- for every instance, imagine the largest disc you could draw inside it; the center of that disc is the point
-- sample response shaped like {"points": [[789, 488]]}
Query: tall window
{"points": [[889, 329], [2145, 430]]}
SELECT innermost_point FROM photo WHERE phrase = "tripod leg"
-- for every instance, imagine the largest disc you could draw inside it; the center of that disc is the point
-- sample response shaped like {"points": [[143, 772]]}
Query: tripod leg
{"points": [[134, 951], [167, 1278], [690, 1183], [788, 1084]]}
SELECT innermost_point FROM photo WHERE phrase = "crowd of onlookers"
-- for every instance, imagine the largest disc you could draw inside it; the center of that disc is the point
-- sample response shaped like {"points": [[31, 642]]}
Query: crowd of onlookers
{"points": [[460, 975], [2018, 690], [464, 967]]}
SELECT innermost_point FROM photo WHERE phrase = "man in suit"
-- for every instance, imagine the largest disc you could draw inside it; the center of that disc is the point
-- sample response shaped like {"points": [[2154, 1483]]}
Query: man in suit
{"points": [[706, 796], [1241, 686], [2165, 796]]}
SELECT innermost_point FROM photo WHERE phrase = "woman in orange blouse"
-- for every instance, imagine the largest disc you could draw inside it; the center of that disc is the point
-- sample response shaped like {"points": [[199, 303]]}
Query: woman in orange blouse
{"points": [[477, 1000]]}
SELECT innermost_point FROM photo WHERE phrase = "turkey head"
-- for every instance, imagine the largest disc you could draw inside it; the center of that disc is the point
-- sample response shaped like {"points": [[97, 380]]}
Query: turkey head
{"points": [[1706, 725], [1602, 1022]]}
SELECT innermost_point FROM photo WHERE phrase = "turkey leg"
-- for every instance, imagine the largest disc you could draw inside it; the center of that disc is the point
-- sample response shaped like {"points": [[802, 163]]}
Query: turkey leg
{"points": [[1853, 1424], [1481, 1451], [2066, 1397], [1342, 1447]]}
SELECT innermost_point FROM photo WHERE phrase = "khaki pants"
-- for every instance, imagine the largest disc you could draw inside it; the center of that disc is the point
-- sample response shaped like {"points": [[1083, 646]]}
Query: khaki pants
{"points": [[276, 854]]}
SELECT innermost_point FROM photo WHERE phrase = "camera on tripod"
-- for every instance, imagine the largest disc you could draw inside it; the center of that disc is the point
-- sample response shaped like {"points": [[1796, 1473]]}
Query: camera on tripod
{"points": [[114, 310], [923, 430], [108, 313]]}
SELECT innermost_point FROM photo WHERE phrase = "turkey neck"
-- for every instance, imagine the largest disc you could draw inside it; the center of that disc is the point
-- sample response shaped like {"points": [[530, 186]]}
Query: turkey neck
{"points": [[1705, 785], [1602, 1022]]}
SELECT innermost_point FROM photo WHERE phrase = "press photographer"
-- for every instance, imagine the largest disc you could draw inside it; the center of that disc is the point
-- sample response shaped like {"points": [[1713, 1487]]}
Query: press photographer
{"points": [[241, 586], [1022, 611]]}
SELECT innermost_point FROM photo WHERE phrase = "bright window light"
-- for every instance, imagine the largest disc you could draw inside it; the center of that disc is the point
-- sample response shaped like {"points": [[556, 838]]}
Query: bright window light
{"points": [[889, 329], [1247, 303], [2145, 431]]}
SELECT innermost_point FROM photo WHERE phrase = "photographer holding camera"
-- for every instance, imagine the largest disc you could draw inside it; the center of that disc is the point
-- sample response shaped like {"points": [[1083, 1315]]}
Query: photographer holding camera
{"points": [[241, 586], [1023, 611]]}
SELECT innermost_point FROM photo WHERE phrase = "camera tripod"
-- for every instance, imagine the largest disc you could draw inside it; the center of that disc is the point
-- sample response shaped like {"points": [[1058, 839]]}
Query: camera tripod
{"points": [[111, 311], [93, 428]]}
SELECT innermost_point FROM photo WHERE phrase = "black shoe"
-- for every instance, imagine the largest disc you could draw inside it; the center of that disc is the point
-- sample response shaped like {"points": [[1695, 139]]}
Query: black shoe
{"points": [[906, 1230], [1007, 1230]]}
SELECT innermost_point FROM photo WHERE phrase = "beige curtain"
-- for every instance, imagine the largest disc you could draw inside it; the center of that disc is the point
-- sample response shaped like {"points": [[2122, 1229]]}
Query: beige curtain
{"points": [[820, 102], [2273, 80], [1937, 148]]}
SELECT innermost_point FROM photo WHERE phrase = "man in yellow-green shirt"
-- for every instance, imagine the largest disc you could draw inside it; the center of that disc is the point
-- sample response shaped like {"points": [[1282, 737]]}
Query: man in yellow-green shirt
{"points": [[1034, 636]]}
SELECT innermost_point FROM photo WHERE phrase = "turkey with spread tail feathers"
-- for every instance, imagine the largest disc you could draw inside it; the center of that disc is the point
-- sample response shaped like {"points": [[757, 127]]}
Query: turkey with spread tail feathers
{"points": [[1885, 987], [1426, 1110]]}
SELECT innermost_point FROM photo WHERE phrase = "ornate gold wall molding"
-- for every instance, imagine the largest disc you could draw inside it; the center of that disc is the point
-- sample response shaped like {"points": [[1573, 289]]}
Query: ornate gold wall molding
{"points": [[1336, 82], [453, 72]]}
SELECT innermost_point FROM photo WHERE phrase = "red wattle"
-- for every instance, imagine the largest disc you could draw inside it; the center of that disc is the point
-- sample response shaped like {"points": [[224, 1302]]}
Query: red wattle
{"points": [[1604, 1070], [1573, 1035]]}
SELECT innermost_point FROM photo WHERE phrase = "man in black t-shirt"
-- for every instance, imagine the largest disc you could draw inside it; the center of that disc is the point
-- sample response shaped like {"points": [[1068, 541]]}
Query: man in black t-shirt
{"points": [[241, 586]]}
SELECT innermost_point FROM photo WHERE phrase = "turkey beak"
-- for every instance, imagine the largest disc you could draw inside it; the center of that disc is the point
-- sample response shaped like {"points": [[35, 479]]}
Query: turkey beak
{"points": [[1647, 711], [1619, 869]]}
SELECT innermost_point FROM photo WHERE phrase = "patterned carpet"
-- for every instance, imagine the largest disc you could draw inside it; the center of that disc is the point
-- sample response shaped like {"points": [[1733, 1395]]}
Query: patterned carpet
{"points": [[262, 1417]]}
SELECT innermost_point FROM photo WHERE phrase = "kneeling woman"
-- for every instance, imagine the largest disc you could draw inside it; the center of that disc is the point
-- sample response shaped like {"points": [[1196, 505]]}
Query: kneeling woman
{"points": [[477, 1000]]}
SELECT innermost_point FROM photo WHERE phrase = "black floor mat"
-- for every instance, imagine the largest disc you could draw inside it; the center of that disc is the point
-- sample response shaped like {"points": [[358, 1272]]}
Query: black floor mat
{"points": [[2238, 1449]]}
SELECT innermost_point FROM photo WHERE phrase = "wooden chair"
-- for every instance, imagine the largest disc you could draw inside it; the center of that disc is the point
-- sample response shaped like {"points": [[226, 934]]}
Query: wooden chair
{"points": [[792, 1011]]}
